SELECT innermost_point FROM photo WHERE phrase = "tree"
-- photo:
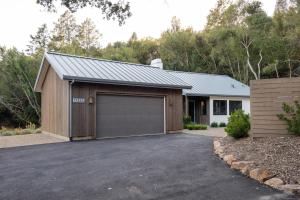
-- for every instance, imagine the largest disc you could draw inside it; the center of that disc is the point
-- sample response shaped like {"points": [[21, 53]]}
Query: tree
{"points": [[88, 35], [116, 11], [17, 76], [39, 41], [65, 30]]}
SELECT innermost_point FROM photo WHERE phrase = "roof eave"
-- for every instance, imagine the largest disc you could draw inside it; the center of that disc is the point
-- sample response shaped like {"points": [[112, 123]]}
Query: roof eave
{"points": [[125, 83], [224, 95]]}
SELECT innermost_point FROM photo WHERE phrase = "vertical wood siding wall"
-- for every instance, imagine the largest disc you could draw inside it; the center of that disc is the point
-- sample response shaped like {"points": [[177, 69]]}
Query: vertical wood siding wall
{"points": [[55, 104], [266, 100], [84, 114]]}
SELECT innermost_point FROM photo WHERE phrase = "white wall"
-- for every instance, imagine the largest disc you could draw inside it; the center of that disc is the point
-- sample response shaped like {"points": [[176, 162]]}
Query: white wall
{"points": [[224, 118]]}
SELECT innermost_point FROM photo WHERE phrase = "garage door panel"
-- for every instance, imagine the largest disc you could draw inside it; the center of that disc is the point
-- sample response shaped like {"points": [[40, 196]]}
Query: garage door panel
{"points": [[129, 115]]}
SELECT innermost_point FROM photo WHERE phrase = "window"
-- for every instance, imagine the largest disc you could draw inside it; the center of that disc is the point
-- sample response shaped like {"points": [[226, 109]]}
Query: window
{"points": [[234, 105], [220, 107]]}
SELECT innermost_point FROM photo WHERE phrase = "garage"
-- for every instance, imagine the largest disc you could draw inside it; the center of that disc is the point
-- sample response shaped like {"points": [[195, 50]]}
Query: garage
{"points": [[90, 98], [125, 115]]}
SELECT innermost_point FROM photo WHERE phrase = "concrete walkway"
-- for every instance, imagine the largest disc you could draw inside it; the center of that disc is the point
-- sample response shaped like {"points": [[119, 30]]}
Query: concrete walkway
{"points": [[213, 132], [25, 140]]}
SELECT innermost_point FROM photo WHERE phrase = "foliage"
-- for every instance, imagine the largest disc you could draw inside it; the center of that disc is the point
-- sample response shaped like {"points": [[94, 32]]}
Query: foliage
{"points": [[239, 40], [119, 10], [292, 117], [214, 125], [222, 124], [194, 126], [18, 131], [17, 76], [238, 124], [186, 120]]}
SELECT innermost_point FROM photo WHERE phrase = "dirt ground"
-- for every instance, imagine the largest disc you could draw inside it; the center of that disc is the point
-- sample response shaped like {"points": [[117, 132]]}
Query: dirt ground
{"points": [[280, 155]]}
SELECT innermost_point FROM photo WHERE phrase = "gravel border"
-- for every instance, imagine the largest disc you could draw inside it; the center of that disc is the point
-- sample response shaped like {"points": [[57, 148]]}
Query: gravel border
{"points": [[274, 161]]}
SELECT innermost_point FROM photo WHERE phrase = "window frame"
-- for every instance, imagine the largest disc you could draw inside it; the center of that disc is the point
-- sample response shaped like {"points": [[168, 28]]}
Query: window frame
{"points": [[215, 110], [231, 111]]}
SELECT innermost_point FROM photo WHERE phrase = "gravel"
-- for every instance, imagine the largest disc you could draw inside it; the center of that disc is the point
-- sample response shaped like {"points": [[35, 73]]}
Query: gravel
{"points": [[280, 155]]}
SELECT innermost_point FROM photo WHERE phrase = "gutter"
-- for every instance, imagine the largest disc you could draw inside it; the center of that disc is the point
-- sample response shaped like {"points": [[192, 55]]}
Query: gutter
{"points": [[70, 109]]}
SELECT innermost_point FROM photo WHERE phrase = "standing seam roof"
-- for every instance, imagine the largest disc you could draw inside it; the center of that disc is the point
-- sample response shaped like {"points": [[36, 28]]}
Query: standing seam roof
{"points": [[212, 85], [70, 67]]}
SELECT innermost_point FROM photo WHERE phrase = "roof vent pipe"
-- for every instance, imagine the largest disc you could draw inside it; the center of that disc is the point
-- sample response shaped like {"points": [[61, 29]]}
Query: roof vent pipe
{"points": [[157, 63]]}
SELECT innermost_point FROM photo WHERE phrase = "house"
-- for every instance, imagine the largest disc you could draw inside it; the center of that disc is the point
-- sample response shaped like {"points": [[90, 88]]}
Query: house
{"points": [[88, 98], [85, 98], [212, 98]]}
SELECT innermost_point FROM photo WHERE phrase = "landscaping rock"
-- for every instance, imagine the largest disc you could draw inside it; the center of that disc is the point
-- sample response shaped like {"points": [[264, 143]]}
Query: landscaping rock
{"points": [[260, 174], [246, 170], [239, 165], [229, 159], [274, 182], [293, 188], [242, 166], [217, 144]]}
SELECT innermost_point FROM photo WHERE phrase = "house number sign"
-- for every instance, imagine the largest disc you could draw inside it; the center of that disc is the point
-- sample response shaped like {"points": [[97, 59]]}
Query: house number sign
{"points": [[78, 100]]}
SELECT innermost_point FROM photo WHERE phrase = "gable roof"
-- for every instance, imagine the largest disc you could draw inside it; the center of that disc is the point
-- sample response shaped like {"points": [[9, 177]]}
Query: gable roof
{"points": [[85, 69], [212, 85]]}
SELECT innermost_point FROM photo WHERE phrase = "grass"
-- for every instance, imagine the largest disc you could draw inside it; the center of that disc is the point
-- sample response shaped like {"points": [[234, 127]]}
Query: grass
{"points": [[196, 126], [19, 131]]}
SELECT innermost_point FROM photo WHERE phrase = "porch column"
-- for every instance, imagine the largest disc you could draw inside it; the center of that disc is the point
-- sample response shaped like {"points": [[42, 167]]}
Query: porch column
{"points": [[186, 106]]}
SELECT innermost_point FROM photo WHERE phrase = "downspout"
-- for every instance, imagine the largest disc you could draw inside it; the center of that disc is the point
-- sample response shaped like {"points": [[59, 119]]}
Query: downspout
{"points": [[70, 109]]}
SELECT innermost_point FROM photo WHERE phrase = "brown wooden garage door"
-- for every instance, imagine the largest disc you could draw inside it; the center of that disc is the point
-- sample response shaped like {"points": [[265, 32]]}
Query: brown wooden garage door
{"points": [[119, 116]]}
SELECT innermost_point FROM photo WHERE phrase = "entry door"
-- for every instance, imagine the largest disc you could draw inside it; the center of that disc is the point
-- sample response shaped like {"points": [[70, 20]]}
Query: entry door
{"points": [[192, 110], [119, 116]]}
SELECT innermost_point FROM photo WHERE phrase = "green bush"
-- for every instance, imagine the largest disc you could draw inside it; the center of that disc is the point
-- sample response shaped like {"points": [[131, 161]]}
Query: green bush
{"points": [[222, 124], [214, 125], [238, 124], [18, 131], [291, 117], [193, 126], [187, 120], [7, 133]]}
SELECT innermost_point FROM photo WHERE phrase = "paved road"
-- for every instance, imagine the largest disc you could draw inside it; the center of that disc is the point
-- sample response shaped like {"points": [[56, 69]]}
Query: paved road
{"points": [[158, 167]]}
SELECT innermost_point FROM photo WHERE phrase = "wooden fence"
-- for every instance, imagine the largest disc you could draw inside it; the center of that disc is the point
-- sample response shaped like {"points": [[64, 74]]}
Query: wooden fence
{"points": [[266, 100]]}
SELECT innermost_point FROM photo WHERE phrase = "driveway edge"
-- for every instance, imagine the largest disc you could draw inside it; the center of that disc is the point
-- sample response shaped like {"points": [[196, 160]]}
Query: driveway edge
{"points": [[259, 174]]}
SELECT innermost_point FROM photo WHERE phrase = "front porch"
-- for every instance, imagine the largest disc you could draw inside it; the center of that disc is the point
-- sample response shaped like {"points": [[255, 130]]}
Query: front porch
{"points": [[197, 107]]}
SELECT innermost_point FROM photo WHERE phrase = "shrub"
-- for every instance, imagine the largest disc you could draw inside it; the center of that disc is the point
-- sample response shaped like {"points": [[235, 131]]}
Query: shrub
{"points": [[238, 124], [31, 126], [187, 120], [222, 124], [291, 117], [214, 125], [7, 132], [196, 126]]}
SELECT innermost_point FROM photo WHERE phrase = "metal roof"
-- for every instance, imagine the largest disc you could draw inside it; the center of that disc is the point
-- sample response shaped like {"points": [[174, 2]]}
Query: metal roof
{"points": [[212, 85], [85, 69]]}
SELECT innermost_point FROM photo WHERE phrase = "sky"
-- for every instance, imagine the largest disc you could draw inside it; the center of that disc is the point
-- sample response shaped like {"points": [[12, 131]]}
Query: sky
{"points": [[20, 18]]}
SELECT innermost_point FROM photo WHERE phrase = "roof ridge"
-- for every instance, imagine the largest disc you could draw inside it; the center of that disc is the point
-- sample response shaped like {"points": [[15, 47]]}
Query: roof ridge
{"points": [[100, 59], [176, 71]]}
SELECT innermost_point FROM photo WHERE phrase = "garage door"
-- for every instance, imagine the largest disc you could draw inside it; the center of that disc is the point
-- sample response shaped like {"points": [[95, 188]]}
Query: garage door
{"points": [[119, 116]]}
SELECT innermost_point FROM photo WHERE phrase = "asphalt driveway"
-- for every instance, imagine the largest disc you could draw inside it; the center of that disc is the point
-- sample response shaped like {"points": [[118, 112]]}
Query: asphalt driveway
{"points": [[177, 166]]}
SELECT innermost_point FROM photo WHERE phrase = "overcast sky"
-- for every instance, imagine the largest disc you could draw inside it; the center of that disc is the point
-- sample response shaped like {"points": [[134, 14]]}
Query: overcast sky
{"points": [[20, 18]]}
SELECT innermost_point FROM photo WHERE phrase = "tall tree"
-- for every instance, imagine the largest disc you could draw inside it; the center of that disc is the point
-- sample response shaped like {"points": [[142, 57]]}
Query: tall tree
{"points": [[39, 41], [119, 10], [88, 35], [65, 31]]}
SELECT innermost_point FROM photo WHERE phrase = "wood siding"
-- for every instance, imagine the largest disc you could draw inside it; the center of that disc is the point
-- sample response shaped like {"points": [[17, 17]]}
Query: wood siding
{"points": [[266, 100], [55, 104], [84, 114]]}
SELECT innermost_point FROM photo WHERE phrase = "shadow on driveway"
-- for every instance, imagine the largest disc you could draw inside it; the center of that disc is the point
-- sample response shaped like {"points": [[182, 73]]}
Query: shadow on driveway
{"points": [[178, 166]]}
